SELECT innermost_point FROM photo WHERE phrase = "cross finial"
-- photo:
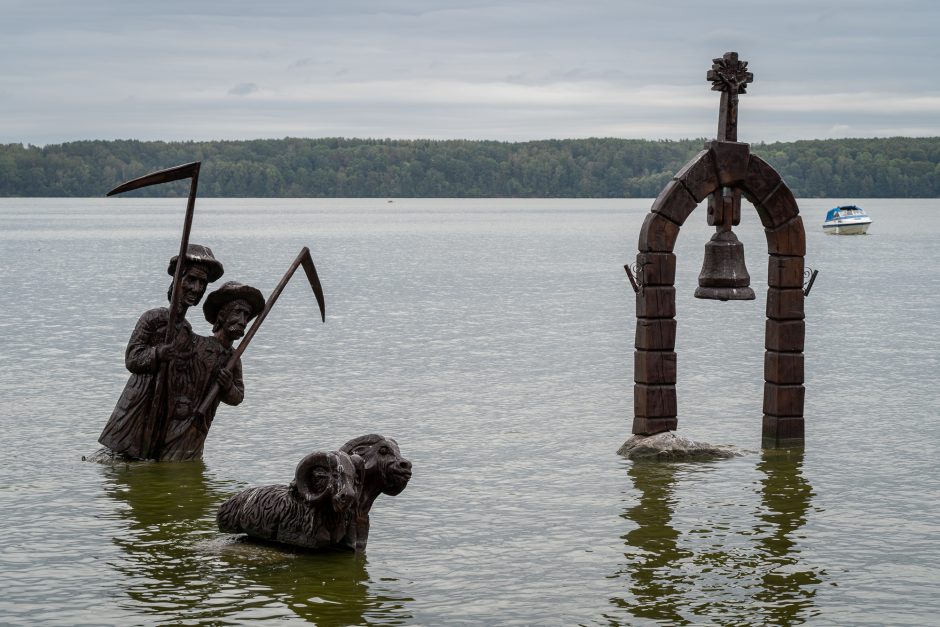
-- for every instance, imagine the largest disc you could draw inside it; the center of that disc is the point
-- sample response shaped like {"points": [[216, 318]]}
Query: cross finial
{"points": [[729, 75]]}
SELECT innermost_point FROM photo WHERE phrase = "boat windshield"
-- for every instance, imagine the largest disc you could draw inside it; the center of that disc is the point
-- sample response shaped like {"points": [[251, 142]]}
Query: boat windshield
{"points": [[845, 212]]}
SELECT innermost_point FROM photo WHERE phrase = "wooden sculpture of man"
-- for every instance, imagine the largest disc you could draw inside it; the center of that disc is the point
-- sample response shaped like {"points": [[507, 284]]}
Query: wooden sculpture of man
{"points": [[137, 426], [228, 309]]}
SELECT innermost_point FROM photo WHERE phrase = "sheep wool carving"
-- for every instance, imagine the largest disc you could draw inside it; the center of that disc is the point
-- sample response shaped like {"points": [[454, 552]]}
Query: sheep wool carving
{"points": [[312, 512], [328, 503]]}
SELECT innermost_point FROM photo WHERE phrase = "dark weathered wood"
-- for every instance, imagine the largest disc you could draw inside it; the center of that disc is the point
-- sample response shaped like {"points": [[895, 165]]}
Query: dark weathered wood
{"points": [[652, 426], [785, 304], [731, 160], [783, 368], [777, 208], [729, 75], [655, 334], [654, 367], [657, 268], [327, 504], [674, 202], [787, 239], [699, 176], [303, 259], [785, 336], [656, 301], [785, 272], [782, 432], [723, 172], [783, 400], [654, 401], [658, 234], [760, 181]]}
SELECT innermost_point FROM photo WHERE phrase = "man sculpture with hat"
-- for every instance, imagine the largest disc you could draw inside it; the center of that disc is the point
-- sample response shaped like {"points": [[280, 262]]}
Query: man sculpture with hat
{"points": [[136, 429], [228, 309]]}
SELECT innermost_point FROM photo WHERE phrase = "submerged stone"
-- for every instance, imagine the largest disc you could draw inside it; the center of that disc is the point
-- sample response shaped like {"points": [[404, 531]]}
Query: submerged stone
{"points": [[669, 445]]}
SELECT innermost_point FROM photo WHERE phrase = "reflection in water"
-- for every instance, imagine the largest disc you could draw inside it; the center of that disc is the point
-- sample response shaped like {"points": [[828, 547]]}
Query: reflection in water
{"points": [[177, 567], [652, 550], [787, 588], [747, 571]]}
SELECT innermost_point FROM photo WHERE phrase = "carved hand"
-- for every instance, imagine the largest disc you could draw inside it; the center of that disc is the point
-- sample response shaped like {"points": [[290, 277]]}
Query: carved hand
{"points": [[225, 379]]}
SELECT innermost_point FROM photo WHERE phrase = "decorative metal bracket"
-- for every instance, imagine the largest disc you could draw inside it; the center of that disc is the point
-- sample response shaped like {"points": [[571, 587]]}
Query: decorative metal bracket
{"points": [[635, 274], [809, 277]]}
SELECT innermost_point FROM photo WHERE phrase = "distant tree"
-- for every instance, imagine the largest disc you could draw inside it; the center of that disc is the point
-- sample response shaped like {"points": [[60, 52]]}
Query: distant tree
{"points": [[335, 166]]}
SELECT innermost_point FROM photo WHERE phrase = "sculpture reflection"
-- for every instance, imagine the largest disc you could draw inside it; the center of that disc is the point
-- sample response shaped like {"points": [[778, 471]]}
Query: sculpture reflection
{"points": [[652, 548], [713, 564], [175, 568], [788, 589]]}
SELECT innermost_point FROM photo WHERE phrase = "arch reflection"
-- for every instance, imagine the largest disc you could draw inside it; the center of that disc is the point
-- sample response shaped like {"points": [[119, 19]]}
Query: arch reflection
{"points": [[657, 588], [788, 586], [178, 568], [717, 563]]}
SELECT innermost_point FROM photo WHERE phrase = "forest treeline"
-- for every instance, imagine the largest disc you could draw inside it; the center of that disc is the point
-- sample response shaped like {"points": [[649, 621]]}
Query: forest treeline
{"points": [[898, 167]]}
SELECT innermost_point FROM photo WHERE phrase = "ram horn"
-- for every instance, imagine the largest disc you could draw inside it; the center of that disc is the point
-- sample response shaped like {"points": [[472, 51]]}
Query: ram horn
{"points": [[306, 487]]}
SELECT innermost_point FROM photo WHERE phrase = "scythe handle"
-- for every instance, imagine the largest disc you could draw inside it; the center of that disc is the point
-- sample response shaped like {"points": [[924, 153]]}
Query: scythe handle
{"points": [[160, 406], [303, 258]]}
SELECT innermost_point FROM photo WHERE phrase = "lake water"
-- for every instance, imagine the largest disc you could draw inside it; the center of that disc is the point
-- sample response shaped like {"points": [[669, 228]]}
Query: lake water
{"points": [[494, 340]]}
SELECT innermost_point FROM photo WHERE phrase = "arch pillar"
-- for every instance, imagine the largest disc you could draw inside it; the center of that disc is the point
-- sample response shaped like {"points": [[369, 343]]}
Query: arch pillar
{"points": [[723, 164]]}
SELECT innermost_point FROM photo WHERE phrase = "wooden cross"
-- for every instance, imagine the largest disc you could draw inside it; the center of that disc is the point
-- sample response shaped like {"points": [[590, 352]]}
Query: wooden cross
{"points": [[729, 75]]}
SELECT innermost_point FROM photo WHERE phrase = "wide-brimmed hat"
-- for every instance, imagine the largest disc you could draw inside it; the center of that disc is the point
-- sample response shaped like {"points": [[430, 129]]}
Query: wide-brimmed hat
{"points": [[233, 290], [201, 255]]}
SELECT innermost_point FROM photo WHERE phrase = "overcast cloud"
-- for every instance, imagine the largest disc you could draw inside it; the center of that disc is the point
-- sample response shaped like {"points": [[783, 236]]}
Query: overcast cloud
{"points": [[507, 70]]}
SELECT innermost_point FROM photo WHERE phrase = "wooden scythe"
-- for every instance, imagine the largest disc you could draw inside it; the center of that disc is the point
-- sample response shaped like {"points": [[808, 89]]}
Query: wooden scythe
{"points": [[303, 259], [159, 406]]}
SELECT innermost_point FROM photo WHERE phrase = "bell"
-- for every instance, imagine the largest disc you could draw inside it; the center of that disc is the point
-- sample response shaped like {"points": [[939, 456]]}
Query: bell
{"points": [[724, 276]]}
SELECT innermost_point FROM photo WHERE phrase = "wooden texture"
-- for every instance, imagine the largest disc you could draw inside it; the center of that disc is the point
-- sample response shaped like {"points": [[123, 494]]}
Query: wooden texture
{"points": [[783, 400], [652, 426], [654, 401], [656, 302], [699, 176], [785, 272], [787, 239], [785, 336], [777, 208], [783, 368], [654, 367], [674, 202], [657, 268], [658, 234], [656, 334], [780, 432], [327, 504], [785, 304], [760, 181], [731, 161]]}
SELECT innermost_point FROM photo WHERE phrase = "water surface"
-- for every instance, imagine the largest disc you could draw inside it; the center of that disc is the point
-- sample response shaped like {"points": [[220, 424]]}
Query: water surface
{"points": [[494, 340]]}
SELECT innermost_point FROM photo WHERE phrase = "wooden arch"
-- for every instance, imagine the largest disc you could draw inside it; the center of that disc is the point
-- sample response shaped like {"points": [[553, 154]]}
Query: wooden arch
{"points": [[723, 164]]}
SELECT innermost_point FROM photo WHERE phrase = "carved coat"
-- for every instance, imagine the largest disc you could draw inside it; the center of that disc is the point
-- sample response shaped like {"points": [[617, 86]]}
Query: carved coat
{"points": [[130, 430], [186, 435]]}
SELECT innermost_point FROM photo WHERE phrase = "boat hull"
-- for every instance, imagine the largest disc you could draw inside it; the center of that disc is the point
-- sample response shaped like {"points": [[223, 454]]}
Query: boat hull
{"points": [[858, 228]]}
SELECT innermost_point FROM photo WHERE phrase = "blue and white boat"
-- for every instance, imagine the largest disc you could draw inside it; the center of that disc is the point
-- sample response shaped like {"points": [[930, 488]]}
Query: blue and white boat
{"points": [[846, 220]]}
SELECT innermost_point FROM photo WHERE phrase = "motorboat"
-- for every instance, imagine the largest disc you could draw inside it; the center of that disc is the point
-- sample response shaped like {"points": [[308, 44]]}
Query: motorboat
{"points": [[846, 220]]}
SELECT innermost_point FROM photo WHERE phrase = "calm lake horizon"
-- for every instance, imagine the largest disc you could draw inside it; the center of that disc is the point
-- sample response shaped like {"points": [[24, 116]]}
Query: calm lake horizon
{"points": [[493, 339]]}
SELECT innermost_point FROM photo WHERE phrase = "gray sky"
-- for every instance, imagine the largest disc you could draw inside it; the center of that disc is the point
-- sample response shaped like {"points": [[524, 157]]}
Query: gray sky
{"points": [[486, 69]]}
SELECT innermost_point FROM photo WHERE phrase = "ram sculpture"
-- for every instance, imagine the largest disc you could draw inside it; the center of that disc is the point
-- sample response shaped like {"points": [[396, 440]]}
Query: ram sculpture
{"points": [[327, 504], [314, 511]]}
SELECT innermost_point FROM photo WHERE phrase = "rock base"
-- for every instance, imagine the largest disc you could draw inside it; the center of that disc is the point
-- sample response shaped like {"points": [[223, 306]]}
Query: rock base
{"points": [[668, 446], [105, 455]]}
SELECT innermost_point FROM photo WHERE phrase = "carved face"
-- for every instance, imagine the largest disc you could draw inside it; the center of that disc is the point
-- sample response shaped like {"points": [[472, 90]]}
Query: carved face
{"points": [[385, 468], [233, 318], [193, 285]]}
